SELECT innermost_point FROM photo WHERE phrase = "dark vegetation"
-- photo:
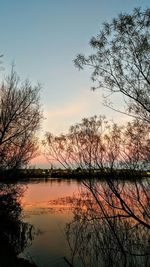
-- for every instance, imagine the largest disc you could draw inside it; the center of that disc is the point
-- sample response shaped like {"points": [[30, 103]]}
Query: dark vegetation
{"points": [[78, 174], [15, 234], [20, 117]]}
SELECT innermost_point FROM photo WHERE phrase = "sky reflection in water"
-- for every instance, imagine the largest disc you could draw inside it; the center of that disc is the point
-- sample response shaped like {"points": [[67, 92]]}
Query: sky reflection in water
{"points": [[44, 206], [63, 213]]}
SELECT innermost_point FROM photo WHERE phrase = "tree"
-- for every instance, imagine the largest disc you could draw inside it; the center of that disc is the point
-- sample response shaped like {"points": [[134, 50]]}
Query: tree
{"points": [[95, 144], [15, 234], [20, 117], [117, 154], [87, 145], [135, 153], [121, 62]]}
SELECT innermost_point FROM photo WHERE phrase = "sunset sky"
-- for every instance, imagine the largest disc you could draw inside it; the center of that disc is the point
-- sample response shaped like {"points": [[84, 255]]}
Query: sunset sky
{"points": [[43, 37]]}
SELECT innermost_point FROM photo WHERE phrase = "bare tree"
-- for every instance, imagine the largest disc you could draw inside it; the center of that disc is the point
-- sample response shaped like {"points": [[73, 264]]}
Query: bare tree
{"points": [[57, 149], [117, 154], [95, 144], [121, 61], [87, 145], [135, 152], [87, 142], [20, 117]]}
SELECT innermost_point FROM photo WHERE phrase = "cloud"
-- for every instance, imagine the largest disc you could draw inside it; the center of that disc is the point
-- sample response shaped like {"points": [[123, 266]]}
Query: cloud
{"points": [[61, 117], [86, 104], [75, 107]]}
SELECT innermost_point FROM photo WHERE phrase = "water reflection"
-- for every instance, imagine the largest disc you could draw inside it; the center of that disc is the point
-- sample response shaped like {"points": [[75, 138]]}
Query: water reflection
{"points": [[15, 235], [97, 235], [102, 234]]}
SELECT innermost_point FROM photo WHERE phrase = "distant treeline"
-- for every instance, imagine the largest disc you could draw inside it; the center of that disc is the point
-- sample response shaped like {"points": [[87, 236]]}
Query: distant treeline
{"points": [[78, 173]]}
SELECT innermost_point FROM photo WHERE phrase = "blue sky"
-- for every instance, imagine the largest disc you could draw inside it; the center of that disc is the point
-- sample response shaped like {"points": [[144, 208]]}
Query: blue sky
{"points": [[43, 37]]}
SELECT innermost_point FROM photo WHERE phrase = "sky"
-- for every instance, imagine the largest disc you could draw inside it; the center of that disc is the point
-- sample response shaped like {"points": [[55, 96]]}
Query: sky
{"points": [[42, 38]]}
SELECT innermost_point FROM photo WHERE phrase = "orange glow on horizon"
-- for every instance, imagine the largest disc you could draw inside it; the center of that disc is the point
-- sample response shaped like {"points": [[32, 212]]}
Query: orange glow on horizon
{"points": [[40, 161]]}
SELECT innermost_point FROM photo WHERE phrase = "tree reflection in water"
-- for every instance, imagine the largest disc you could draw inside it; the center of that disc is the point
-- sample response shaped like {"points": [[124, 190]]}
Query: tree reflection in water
{"points": [[102, 233], [15, 235]]}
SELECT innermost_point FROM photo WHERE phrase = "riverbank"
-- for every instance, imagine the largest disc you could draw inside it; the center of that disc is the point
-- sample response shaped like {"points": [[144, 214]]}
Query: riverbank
{"points": [[78, 174]]}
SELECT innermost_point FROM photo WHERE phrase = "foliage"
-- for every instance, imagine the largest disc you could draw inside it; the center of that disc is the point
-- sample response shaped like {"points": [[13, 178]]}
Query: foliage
{"points": [[15, 234], [20, 117], [95, 144], [121, 61]]}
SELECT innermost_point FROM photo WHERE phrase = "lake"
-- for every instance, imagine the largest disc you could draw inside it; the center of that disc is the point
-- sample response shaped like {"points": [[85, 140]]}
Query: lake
{"points": [[60, 223], [44, 208]]}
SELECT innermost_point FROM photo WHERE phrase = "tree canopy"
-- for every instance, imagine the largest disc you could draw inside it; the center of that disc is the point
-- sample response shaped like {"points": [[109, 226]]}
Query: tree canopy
{"points": [[20, 117], [96, 144], [121, 60]]}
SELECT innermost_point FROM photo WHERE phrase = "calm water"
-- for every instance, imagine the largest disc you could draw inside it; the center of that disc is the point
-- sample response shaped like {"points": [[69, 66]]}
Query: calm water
{"points": [[44, 223], [45, 207]]}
